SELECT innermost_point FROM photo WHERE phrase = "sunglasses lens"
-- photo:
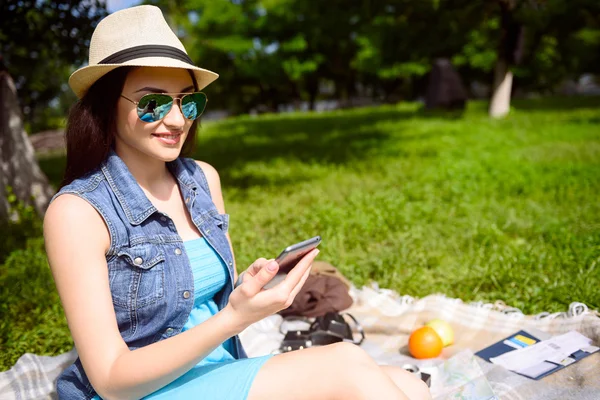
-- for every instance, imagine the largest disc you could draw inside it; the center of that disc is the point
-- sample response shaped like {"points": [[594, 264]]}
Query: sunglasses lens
{"points": [[192, 105], [154, 107]]}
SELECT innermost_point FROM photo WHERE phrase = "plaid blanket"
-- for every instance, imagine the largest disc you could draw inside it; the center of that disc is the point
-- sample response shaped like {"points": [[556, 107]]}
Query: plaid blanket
{"points": [[388, 319], [34, 377]]}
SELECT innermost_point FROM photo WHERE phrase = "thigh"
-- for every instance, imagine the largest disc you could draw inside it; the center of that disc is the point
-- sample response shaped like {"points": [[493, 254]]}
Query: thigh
{"points": [[313, 373]]}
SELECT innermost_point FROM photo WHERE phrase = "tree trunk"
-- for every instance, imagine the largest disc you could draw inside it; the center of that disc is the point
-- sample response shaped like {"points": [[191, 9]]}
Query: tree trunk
{"points": [[500, 103], [18, 167], [510, 51]]}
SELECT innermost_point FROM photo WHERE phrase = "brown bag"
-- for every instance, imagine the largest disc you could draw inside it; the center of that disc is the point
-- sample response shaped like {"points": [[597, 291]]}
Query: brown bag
{"points": [[324, 268], [320, 294]]}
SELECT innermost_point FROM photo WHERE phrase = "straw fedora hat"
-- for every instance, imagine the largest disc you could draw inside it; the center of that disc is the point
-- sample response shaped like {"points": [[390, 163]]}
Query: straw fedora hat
{"points": [[136, 36]]}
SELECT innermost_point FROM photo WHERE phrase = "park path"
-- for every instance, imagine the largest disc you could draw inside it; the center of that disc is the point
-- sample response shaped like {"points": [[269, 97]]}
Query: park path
{"points": [[48, 141]]}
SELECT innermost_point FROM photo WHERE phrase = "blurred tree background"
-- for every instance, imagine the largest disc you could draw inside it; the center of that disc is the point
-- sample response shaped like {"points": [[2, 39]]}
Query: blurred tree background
{"points": [[274, 52], [41, 43], [271, 53]]}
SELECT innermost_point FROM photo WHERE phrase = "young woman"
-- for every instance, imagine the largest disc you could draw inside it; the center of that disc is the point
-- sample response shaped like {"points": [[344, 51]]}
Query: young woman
{"points": [[138, 245]]}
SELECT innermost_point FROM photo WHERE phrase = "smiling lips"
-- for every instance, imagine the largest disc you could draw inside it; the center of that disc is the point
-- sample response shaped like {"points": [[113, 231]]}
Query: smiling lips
{"points": [[168, 138]]}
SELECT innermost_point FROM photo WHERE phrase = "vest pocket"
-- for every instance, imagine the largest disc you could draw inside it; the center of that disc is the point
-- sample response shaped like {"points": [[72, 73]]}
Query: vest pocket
{"points": [[137, 276]]}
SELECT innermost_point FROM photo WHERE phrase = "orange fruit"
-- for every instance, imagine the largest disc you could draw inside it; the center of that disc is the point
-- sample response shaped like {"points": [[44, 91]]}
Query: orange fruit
{"points": [[425, 343]]}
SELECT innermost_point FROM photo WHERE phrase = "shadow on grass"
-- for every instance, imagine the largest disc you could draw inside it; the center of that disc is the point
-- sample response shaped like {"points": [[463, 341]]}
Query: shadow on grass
{"points": [[440, 113], [326, 139], [556, 103], [585, 120], [334, 138]]}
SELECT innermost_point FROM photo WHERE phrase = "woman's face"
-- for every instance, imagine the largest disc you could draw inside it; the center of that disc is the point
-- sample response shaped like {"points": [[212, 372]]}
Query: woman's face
{"points": [[163, 139]]}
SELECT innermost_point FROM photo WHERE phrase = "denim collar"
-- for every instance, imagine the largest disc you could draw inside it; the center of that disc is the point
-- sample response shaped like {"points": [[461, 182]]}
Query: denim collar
{"points": [[132, 198]]}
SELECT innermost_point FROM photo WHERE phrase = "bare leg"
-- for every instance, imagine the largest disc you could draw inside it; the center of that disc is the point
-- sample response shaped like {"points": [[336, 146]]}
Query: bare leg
{"points": [[338, 371], [414, 388]]}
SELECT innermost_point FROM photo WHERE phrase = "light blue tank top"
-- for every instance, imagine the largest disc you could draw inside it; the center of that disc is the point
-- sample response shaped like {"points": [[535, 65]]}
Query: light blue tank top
{"points": [[210, 275]]}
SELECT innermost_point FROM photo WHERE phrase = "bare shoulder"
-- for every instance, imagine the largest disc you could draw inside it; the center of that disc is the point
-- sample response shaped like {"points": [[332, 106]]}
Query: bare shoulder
{"points": [[214, 184], [211, 173], [71, 218]]}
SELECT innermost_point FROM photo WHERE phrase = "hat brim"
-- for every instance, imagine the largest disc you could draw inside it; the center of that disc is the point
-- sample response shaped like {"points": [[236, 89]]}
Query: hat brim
{"points": [[82, 79]]}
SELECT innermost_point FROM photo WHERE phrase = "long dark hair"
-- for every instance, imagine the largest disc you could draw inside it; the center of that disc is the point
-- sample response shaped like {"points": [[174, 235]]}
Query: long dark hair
{"points": [[92, 125]]}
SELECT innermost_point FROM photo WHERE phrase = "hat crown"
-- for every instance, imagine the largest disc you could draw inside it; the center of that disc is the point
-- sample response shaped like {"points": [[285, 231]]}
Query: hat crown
{"points": [[125, 29]]}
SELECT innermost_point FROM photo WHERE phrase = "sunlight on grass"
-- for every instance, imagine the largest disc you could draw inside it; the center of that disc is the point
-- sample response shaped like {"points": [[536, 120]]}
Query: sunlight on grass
{"points": [[420, 202]]}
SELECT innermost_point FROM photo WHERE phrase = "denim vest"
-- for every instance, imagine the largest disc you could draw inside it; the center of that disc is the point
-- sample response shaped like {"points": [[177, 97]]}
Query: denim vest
{"points": [[149, 272]]}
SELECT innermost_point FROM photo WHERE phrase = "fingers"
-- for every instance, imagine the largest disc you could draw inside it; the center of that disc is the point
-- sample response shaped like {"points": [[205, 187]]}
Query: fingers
{"points": [[256, 266], [261, 278], [247, 276], [295, 275], [286, 291], [298, 287]]}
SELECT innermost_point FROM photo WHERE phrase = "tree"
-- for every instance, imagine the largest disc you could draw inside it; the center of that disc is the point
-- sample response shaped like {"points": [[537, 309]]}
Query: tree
{"points": [[398, 41], [270, 52], [510, 43], [18, 166], [39, 43], [538, 42], [313, 42]]}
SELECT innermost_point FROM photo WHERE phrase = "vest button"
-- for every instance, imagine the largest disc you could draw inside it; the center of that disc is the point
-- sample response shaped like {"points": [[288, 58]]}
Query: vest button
{"points": [[186, 295], [178, 251], [138, 261], [163, 219], [169, 331]]}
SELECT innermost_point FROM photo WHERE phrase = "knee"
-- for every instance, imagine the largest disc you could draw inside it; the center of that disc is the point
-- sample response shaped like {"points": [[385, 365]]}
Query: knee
{"points": [[350, 354]]}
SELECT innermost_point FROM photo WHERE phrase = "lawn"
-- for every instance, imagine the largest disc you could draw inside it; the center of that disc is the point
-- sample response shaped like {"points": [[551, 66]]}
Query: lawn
{"points": [[422, 203]]}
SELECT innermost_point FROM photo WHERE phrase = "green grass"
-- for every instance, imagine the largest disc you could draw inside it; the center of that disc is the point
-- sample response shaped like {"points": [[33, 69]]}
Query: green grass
{"points": [[469, 207], [422, 203]]}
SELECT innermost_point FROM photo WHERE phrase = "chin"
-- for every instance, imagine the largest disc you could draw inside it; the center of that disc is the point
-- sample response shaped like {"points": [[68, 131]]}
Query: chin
{"points": [[167, 155], [161, 153]]}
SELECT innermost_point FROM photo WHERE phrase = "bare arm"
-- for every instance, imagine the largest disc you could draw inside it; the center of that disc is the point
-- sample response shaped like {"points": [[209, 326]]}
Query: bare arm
{"points": [[214, 184], [76, 243]]}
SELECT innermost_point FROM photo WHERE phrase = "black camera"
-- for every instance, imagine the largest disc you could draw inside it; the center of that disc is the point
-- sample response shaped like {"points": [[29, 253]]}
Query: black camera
{"points": [[326, 329]]}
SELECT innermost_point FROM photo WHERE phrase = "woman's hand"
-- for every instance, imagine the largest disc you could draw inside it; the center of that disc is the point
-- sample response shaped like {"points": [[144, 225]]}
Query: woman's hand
{"points": [[250, 303], [253, 269]]}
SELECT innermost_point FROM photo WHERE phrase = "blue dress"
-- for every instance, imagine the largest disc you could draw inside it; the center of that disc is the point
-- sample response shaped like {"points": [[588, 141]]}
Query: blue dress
{"points": [[218, 376]]}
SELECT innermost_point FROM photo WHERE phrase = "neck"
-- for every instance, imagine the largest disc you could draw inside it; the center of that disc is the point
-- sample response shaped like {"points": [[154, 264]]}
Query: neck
{"points": [[149, 172]]}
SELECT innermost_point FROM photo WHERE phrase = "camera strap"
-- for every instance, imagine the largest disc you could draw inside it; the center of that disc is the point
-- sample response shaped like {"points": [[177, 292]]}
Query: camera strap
{"points": [[327, 329], [358, 328]]}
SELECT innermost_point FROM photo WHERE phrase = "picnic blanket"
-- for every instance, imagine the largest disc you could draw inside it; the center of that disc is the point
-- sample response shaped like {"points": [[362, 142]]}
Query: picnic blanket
{"points": [[388, 319]]}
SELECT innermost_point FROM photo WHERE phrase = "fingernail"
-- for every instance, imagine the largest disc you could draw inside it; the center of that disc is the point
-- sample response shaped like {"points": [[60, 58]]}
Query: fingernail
{"points": [[272, 266], [317, 253]]}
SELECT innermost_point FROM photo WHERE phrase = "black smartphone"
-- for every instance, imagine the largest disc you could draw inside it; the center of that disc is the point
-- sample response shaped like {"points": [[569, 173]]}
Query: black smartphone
{"points": [[291, 255]]}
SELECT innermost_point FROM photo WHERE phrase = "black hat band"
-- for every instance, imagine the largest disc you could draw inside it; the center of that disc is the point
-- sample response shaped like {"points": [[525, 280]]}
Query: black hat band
{"points": [[147, 50]]}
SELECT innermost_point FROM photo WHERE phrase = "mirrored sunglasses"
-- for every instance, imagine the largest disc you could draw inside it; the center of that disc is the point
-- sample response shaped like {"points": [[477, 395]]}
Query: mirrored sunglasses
{"points": [[155, 106]]}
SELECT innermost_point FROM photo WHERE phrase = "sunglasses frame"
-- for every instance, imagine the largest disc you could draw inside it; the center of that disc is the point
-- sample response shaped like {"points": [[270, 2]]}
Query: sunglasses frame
{"points": [[182, 95]]}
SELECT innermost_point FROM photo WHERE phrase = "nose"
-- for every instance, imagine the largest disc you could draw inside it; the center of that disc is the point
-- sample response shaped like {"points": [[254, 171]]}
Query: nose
{"points": [[174, 120]]}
